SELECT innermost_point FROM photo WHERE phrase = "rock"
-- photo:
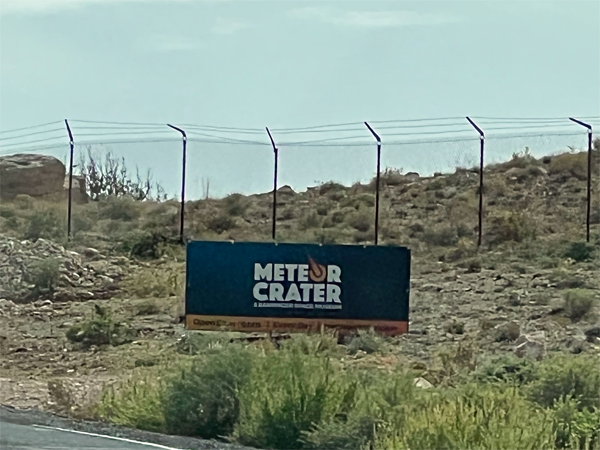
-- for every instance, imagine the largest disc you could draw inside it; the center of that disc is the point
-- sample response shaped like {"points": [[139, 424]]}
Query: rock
{"points": [[78, 191], [506, 332], [6, 304], [592, 333], [91, 252], [286, 190], [412, 176], [34, 175], [531, 345], [449, 192], [16, 256], [422, 383]]}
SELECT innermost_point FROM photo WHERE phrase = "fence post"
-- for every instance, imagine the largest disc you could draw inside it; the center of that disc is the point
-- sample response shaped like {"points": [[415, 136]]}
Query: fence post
{"points": [[376, 136], [72, 146], [276, 152], [184, 157], [589, 177], [482, 141]]}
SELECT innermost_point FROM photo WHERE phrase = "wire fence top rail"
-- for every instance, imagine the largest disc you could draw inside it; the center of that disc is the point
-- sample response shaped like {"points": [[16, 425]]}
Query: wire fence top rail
{"points": [[393, 132]]}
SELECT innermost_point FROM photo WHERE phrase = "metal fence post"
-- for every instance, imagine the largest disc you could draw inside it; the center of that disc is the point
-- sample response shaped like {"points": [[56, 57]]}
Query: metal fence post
{"points": [[70, 201], [184, 157], [376, 136], [276, 153], [589, 177], [481, 148]]}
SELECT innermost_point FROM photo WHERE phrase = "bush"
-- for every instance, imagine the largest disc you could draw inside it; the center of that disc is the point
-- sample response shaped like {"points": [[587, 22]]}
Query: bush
{"points": [[565, 376], [575, 428], [367, 341], [44, 275], [137, 403], [505, 369], [7, 212], [472, 417], [100, 330], [310, 220], [360, 221], [390, 177], [573, 164], [511, 226], [578, 303], [45, 224], [162, 282], [288, 395], [441, 237], [146, 244], [579, 251], [119, 208], [220, 223], [203, 400], [105, 175], [235, 204]]}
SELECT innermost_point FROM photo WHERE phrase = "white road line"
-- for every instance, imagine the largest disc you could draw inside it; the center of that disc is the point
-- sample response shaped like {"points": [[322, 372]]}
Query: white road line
{"points": [[131, 441]]}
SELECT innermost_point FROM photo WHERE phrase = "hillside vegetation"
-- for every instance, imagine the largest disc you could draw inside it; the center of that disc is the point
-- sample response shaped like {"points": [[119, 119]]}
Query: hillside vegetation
{"points": [[504, 341]]}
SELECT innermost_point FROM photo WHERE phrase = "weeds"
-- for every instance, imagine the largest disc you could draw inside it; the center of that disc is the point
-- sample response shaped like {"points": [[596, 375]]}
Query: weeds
{"points": [[99, 330], [46, 224], [44, 275], [578, 303]]}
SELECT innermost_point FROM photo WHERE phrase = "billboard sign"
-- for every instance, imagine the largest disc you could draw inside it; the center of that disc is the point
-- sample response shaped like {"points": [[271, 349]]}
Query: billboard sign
{"points": [[263, 287]]}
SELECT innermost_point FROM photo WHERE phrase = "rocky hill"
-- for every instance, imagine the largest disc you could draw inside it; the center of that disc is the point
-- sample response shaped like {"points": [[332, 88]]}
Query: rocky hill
{"points": [[81, 314]]}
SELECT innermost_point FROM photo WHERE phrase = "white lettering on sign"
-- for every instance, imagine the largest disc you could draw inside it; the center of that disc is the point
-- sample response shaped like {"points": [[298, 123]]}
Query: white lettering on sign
{"points": [[297, 283]]}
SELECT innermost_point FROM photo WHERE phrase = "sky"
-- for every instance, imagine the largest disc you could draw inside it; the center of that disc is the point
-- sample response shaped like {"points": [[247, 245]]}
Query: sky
{"points": [[289, 64]]}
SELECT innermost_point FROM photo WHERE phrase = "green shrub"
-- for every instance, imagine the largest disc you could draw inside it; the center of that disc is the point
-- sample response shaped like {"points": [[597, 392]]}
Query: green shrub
{"points": [[137, 403], [81, 223], [44, 275], [162, 281], [203, 400], [45, 224], [220, 223], [574, 164], [390, 177], [310, 220], [472, 417], [443, 237], [360, 221], [289, 393], [511, 226], [562, 376], [579, 251], [505, 369], [145, 244], [235, 204], [119, 208], [7, 212], [575, 428], [367, 341], [100, 330], [578, 303]]}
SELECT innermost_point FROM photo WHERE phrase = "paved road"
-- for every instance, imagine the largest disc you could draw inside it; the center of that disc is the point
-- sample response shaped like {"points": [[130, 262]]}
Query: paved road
{"points": [[21, 437]]}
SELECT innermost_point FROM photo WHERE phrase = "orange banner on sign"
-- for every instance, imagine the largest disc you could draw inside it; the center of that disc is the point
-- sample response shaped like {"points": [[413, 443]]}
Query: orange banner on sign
{"points": [[266, 324]]}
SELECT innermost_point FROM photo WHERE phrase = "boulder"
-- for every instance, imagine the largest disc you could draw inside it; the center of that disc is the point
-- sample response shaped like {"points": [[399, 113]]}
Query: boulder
{"points": [[531, 345], [79, 192], [34, 175], [412, 176]]}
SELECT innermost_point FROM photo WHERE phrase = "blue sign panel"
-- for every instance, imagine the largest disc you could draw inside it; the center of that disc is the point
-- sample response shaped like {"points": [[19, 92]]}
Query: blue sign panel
{"points": [[266, 286]]}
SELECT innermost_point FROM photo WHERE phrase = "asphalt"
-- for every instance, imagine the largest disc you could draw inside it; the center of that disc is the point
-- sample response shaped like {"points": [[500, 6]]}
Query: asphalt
{"points": [[17, 437], [35, 429]]}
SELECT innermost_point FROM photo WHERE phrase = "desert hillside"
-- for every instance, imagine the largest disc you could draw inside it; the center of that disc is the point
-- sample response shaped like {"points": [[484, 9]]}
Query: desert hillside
{"points": [[81, 317]]}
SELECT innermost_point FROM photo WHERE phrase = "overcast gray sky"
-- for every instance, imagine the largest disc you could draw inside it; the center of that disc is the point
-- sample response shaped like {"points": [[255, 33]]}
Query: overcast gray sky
{"points": [[252, 64]]}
